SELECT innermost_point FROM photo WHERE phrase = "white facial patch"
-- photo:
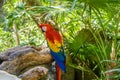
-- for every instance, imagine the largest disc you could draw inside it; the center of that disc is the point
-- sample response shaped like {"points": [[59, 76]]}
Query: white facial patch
{"points": [[44, 28]]}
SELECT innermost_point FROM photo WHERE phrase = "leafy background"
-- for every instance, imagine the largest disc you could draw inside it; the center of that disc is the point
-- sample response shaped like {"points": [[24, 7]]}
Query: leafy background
{"points": [[90, 28]]}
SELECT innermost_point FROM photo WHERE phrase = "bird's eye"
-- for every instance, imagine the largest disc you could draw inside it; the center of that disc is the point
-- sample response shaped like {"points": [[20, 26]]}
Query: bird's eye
{"points": [[44, 28]]}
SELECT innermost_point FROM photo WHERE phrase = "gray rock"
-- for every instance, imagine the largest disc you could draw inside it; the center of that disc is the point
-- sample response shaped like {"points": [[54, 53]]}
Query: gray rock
{"points": [[6, 76]]}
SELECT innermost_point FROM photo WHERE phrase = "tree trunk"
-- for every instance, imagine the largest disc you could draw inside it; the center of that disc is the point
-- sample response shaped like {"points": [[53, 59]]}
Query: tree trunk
{"points": [[16, 34], [1, 4]]}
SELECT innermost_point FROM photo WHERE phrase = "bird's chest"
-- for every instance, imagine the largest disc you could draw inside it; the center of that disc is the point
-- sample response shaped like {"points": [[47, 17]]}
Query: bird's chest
{"points": [[53, 42]]}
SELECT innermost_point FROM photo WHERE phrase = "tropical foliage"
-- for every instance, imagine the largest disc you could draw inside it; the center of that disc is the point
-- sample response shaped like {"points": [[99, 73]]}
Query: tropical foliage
{"points": [[90, 28]]}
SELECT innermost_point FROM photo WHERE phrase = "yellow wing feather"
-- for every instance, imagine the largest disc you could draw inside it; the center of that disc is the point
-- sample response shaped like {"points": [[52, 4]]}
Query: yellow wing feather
{"points": [[54, 46]]}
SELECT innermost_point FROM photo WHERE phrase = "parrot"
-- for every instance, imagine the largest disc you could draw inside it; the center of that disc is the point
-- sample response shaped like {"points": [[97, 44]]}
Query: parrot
{"points": [[55, 43]]}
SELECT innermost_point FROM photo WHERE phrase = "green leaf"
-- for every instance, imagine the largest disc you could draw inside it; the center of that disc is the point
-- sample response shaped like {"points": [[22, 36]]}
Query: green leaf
{"points": [[82, 36]]}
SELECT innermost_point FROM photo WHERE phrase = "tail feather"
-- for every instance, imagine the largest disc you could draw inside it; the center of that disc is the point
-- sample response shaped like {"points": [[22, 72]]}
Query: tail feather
{"points": [[58, 72]]}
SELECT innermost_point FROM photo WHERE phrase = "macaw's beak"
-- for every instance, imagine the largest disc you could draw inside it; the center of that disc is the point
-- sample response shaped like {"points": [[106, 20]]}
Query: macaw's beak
{"points": [[42, 30]]}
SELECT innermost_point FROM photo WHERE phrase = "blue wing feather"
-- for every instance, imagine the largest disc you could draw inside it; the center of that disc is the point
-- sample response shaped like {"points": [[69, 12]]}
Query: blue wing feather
{"points": [[59, 58]]}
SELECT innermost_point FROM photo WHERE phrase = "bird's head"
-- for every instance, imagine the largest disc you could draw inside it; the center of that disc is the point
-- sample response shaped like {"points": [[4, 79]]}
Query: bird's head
{"points": [[45, 27]]}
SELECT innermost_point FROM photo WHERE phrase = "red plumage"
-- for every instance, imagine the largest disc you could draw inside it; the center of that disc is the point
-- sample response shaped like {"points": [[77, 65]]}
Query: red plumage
{"points": [[55, 44], [51, 32], [58, 72]]}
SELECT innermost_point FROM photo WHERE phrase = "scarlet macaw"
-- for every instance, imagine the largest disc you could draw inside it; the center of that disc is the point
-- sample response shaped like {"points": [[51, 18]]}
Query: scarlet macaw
{"points": [[55, 43]]}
